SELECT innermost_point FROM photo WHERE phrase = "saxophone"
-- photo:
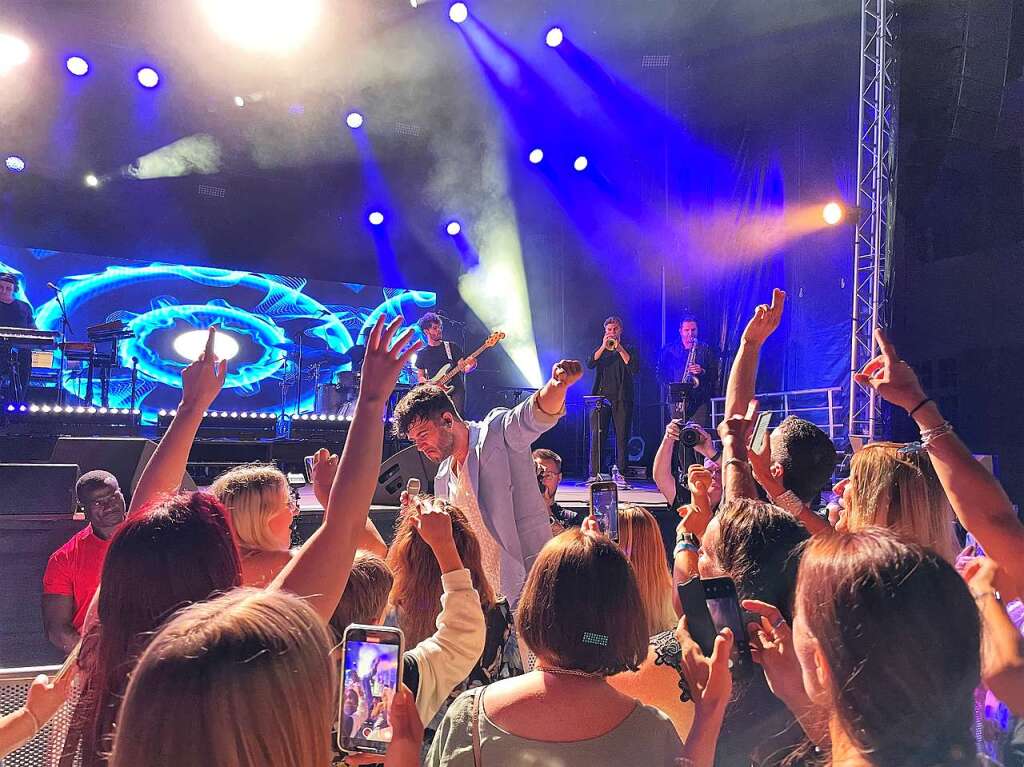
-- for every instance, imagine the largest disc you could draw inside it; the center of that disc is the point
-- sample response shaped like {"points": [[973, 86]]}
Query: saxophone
{"points": [[691, 360]]}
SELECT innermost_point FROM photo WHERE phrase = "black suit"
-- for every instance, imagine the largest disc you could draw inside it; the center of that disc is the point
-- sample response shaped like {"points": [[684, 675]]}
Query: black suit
{"points": [[614, 382]]}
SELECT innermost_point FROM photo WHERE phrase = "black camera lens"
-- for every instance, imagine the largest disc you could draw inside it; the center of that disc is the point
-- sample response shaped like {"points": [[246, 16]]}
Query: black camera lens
{"points": [[690, 436]]}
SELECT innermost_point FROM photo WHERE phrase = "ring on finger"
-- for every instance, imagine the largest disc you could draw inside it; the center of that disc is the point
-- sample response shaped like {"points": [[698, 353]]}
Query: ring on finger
{"points": [[778, 623]]}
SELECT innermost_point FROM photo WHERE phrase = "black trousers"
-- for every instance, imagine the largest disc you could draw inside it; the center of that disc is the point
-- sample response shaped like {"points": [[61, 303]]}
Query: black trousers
{"points": [[620, 415]]}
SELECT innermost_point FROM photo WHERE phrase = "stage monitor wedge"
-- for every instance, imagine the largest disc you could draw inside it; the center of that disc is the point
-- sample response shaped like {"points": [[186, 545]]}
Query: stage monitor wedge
{"points": [[396, 471]]}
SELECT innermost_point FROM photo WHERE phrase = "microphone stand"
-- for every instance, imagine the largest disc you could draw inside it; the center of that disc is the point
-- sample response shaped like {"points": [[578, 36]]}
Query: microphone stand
{"points": [[65, 327]]}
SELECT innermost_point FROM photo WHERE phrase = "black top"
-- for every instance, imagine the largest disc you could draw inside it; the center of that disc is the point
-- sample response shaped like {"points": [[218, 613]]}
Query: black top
{"points": [[614, 379], [672, 368], [16, 314], [567, 517], [432, 358]]}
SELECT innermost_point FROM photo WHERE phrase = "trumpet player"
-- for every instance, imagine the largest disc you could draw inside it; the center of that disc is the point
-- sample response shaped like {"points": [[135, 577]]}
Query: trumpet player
{"points": [[617, 364]]}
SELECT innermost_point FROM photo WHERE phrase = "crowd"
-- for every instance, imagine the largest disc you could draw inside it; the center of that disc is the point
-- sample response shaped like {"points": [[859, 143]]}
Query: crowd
{"points": [[530, 637]]}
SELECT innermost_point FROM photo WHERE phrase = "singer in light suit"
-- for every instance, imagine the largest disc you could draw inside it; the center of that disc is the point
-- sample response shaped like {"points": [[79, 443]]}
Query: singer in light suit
{"points": [[487, 469]]}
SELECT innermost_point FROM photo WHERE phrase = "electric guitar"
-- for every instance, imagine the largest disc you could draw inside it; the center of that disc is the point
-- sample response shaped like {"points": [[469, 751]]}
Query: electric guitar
{"points": [[446, 374]]}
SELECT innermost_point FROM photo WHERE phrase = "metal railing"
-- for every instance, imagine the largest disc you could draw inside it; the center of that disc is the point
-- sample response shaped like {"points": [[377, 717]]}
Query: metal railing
{"points": [[819, 406]]}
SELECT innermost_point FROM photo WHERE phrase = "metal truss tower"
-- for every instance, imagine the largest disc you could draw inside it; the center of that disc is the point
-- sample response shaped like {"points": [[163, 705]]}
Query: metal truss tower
{"points": [[876, 201]]}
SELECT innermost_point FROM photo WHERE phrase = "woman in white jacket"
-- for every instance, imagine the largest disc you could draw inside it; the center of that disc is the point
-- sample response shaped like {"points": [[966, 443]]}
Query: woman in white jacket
{"points": [[434, 666]]}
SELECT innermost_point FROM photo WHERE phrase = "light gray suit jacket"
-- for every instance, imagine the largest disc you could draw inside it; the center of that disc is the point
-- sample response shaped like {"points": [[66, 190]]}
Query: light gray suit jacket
{"points": [[503, 475]]}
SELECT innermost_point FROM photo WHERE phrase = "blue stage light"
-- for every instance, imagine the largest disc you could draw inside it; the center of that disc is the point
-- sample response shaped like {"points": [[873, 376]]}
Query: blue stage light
{"points": [[15, 164], [536, 155], [376, 218], [354, 120], [77, 66], [147, 77], [458, 12], [581, 163], [453, 228], [554, 37]]}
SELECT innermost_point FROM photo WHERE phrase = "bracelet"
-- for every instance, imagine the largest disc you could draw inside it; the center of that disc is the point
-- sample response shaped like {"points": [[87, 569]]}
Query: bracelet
{"points": [[688, 538], [918, 406], [990, 593], [35, 721], [930, 435], [736, 461], [682, 546]]}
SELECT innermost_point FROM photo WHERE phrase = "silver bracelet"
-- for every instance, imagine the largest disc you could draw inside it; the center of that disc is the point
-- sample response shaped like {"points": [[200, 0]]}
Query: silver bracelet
{"points": [[930, 435]]}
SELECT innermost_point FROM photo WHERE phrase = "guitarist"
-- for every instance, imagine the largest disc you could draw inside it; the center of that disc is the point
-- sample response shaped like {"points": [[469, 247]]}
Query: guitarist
{"points": [[437, 354]]}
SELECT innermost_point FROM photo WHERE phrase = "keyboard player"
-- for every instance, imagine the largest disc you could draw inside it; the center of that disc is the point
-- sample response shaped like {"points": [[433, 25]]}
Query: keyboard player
{"points": [[14, 314]]}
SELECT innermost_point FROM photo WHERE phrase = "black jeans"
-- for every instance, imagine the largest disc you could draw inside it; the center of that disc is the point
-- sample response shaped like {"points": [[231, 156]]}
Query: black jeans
{"points": [[620, 414]]}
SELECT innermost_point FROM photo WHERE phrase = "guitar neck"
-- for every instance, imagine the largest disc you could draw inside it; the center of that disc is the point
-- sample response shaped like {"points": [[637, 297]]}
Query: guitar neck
{"points": [[450, 375]]}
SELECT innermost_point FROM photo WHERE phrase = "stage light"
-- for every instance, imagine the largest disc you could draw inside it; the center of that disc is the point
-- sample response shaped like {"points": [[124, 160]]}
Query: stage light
{"points": [[190, 344], [15, 164], [239, 101], [458, 12], [536, 155], [77, 66], [354, 120], [13, 53], [554, 37], [271, 26], [832, 213], [147, 77], [581, 163], [376, 218], [92, 181], [453, 228]]}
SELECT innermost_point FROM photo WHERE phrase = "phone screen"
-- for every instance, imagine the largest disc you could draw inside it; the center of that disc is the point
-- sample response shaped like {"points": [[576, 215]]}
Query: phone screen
{"points": [[369, 681], [760, 431], [309, 468], [724, 606], [604, 502]]}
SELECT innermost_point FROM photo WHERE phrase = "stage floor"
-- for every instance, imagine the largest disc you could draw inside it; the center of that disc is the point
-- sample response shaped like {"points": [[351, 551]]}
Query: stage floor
{"points": [[571, 493]]}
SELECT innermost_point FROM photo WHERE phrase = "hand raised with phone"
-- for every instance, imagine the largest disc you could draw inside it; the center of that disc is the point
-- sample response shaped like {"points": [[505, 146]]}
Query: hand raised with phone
{"points": [[710, 679]]}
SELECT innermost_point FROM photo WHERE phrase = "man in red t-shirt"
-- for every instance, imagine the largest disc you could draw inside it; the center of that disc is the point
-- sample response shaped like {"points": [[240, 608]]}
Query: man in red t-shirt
{"points": [[73, 571]]}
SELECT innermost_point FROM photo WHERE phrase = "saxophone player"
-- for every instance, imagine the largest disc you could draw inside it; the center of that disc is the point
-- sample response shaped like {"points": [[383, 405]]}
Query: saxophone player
{"points": [[616, 363], [688, 360]]}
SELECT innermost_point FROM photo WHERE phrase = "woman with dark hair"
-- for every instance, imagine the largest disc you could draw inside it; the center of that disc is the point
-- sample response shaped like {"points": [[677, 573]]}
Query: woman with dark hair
{"points": [[864, 643], [757, 545]]}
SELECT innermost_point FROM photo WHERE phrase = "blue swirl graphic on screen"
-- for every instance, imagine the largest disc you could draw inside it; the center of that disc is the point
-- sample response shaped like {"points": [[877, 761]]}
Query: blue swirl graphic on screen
{"points": [[267, 315]]}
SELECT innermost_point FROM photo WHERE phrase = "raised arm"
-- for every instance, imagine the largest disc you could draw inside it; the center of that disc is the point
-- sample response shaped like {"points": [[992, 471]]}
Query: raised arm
{"points": [[320, 570], [743, 376], [977, 498], [325, 468], [1002, 649], [201, 382], [662, 468], [737, 480]]}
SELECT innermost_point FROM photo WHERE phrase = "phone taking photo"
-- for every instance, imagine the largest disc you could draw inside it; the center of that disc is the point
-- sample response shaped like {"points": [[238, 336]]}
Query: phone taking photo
{"points": [[309, 469], [760, 431], [724, 605], [371, 670], [604, 507], [698, 617]]}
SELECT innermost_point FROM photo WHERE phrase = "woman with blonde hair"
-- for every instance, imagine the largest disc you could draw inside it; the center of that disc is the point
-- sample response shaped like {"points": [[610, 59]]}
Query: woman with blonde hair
{"points": [[893, 485], [640, 540], [262, 509]]}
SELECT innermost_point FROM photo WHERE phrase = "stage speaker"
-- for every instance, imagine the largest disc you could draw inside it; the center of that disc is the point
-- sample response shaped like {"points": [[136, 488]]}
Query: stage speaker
{"points": [[124, 457], [38, 489], [396, 471]]}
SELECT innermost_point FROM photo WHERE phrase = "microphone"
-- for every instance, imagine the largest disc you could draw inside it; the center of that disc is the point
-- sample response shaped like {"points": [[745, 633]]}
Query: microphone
{"points": [[413, 486]]}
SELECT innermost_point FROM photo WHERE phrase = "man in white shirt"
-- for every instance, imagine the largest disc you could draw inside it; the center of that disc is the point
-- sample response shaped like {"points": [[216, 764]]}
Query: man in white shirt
{"points": [[487, 469]]}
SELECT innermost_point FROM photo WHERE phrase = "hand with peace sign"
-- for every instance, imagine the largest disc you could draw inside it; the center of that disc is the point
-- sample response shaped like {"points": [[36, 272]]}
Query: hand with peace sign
{"points": [[893, 379]]}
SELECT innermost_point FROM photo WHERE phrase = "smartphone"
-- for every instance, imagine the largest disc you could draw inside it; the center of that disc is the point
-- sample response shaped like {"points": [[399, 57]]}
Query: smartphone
{"points": [[698, 617], [309, 469], [371, 670], [604, 507], [724, 606], [970, 540], [760, 431]]}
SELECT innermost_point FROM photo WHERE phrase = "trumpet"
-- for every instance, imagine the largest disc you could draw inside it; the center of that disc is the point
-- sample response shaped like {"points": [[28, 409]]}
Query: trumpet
{"points": [[611, 344]]}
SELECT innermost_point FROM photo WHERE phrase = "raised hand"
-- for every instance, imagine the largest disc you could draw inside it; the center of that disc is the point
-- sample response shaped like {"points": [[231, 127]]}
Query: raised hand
{"points": [[202, 381], [761, 468], [45, 696], [766, 319], [325, 468], [385, 357], [893, 379], [736, 429], [695, 518], [566, 372], [591, 526], [771, 645], [983, 575], [709, 679], [433, 523]]}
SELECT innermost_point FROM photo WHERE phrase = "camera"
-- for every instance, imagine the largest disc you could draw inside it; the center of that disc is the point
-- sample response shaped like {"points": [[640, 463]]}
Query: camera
{"points": [[690, 434]]}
